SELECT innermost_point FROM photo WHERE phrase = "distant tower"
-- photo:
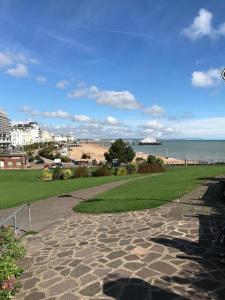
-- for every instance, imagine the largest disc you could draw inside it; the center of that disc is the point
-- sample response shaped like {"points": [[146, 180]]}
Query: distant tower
{"points": [[5, 133]]}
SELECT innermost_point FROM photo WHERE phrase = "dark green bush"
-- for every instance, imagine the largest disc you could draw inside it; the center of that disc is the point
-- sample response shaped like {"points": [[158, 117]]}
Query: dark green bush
{"points": [[102, 171], [80, 172], [131, 168], [57, 174], [154, 160], [150, 168]]}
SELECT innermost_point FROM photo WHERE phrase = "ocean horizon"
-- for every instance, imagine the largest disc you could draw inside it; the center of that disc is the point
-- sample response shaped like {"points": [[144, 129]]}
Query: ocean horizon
{"points": [[191, 149]]}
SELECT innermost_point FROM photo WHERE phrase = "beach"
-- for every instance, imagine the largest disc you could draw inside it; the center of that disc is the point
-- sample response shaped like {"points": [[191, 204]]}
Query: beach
{"points": [[96, 152]]}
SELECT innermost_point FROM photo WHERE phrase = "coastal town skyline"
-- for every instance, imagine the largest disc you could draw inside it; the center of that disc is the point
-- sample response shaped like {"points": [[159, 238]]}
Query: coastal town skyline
{"points": [[99, 70]]}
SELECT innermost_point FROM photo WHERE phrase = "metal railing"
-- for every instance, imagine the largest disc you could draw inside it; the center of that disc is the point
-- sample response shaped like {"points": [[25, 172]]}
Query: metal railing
{"points": [[13, 217]]}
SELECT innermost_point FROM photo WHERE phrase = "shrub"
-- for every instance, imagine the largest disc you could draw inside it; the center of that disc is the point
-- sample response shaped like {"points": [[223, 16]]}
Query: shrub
{"points": [[67, 174], [131, 168], [121, 171], [80, 172], [150, 168], [140, 160], [154, 160], [10, 250], [102, 171], [57, 174], [46, 175], [65, 159]]}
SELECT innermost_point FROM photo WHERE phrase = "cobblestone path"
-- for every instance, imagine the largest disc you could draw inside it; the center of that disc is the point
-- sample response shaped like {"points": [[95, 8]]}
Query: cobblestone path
{"points": [[165, 253]]}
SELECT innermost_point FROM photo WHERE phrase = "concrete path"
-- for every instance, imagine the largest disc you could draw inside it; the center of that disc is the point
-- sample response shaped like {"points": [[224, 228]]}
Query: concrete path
{"points": [[160, 254], [47, 211]]}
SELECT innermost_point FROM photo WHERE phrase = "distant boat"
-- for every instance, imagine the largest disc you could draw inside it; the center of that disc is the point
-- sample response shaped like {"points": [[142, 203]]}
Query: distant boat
{"points": [[149, 141]]}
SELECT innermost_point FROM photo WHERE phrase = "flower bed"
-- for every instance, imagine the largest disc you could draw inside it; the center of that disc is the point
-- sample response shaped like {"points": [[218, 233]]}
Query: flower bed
{"points": [[11, 250]]}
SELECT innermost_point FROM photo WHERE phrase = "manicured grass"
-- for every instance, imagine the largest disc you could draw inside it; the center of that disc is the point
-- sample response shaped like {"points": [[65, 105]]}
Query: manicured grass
{"points": [[150, 192], [22, 186]]}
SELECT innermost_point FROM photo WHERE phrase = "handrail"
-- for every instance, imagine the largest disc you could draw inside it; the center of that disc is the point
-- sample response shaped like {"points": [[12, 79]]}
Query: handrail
{"points": [[13, 216]]}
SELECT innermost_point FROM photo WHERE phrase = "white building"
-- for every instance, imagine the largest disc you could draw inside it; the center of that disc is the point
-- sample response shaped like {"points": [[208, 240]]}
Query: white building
{"points": [[25, 134], [46, 136]]}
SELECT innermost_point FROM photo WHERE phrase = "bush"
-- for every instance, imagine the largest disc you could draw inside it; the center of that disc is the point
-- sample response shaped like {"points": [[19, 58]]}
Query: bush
{"points": [[102, 171], [57, 174], [150, 168], [131, 168], [10, 251], [140, 160], [154, 160], [67, 174], [46, 175], [121, 172], [80, 172], [65, 159]]}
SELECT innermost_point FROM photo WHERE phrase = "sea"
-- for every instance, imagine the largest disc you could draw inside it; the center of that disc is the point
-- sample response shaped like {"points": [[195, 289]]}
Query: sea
{"points": [[201, 150]]}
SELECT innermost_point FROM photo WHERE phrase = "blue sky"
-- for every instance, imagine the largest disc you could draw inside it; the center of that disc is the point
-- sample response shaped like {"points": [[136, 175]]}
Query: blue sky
{"points": [[106, 68]]}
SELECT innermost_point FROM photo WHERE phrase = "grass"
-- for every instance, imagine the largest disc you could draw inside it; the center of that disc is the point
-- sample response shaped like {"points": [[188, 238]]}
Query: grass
{"points": [[150, 192], [22, 186]]}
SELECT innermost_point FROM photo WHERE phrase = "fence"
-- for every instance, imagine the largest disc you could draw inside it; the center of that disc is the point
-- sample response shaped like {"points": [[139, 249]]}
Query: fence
{"points": [[13, 218]]}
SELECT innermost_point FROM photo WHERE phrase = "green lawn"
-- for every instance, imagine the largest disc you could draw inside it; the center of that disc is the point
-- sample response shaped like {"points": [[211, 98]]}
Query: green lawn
{"points": [[150, 192], [18, 187]]}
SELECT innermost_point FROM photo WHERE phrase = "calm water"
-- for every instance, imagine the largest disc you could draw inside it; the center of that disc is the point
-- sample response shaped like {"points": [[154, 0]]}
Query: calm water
{"points": [[196, 150]]}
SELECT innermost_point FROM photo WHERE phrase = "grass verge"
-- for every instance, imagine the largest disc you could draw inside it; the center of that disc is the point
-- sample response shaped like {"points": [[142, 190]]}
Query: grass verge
{"points": [[21, 186], [150, 192]]}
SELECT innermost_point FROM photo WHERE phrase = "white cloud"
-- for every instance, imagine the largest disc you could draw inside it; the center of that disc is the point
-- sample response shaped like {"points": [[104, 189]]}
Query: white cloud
{"points": [[158, 129], [117, 99], [208, 78], [212, 128], [41, 79], [154, 110], [62, 84], [202, 27], [19, 71], [112, 121], [81, 118], [5, 59], [59, 114]]}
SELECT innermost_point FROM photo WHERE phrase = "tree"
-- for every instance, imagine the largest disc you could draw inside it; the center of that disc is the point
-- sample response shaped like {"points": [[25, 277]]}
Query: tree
{"points": [[120, 151]]}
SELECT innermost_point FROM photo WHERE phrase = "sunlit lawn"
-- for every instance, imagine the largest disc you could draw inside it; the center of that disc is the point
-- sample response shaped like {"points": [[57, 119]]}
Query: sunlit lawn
{"points": [[21, 186], [150, 192]]}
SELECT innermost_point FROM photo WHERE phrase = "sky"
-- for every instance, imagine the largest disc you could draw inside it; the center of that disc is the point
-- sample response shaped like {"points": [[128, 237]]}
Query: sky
{"points": [[110, 68]]}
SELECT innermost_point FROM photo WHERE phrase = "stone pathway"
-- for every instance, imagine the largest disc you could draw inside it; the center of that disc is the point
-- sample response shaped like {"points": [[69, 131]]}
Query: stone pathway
{"points": [[165, 253]]}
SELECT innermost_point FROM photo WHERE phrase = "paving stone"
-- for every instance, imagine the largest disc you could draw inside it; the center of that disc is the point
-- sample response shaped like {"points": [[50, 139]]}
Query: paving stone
{"points": [[116, 254], [163, 267], [65, 253], [115, 263], [30, 283], [146, 273], [62, 287], [91, 290], [35, 296], [69, 296], [134, 266], [48, 283], [80, 270]]}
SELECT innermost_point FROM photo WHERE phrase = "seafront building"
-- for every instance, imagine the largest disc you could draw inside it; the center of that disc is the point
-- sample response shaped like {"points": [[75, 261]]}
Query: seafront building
{"points": [[5, 133], [25, 134]]}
